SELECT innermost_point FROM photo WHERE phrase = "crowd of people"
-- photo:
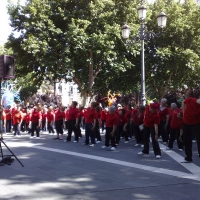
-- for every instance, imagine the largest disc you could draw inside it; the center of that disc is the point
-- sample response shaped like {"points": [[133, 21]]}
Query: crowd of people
{"points": [[120, 122]]}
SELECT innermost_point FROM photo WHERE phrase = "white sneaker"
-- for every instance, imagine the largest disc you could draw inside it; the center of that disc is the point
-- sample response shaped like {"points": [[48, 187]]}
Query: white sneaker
{"points": [[98, 141], [158, 156], [75, 141], [180, 149], [112, 148], [126, 142], [164, 142], [193, 141], [142, 146], [137, 145], [103, 147], [121, 137], [92, 145], [37, 137], [31, 137], [141, 153]]}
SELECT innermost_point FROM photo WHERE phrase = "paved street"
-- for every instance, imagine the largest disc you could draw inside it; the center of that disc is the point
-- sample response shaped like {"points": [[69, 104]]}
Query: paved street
{"points": [[55, 170]]}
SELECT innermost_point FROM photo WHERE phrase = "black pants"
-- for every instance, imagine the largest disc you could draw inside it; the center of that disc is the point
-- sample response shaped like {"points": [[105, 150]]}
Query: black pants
{"points": [[97, 132], [16, 129], [59, 126], [89, 133], [8, 125], [156, 148], [127, 133], [174, 134], [103, 122], [44, 125], [23, 125], [35, 128], [161, 131], [188, 131], [119, 132], [50, 127], [138, 135], [109, 138], [71, 127]]}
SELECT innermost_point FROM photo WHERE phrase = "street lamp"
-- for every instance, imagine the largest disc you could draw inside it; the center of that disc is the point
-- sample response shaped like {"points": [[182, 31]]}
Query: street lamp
{"points": [[144, 35]]}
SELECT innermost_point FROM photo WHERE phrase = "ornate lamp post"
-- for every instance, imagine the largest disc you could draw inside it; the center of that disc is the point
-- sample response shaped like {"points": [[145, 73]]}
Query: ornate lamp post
{"points": [[144, 35]]}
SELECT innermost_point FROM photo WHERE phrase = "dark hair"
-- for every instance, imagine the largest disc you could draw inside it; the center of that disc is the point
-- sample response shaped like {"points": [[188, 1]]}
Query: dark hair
{"points": [[74, 103]]}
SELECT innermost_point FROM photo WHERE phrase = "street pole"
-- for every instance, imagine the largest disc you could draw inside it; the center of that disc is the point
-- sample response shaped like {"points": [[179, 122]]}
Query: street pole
{"points": [[143, 98]]}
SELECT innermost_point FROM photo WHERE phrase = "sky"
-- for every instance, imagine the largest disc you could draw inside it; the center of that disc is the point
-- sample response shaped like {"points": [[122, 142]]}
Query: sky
{"points": [[5, 28]]}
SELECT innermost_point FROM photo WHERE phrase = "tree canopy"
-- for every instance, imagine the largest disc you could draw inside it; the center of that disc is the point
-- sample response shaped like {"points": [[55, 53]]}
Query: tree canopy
{"points": [[81, 41]]}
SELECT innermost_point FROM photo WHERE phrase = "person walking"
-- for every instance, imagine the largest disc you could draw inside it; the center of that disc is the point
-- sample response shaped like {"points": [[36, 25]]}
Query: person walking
{"points": [[151, 122], [191, 125]]}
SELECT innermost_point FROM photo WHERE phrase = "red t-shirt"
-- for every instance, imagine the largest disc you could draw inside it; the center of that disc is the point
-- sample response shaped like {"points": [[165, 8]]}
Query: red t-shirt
{"points": [[151, 118], [90, 115], [111, 120], [28, 118], [44, 116], [103, 115], [8, 114], [129, 114], [50, 116], [59, 115], [122, 119], [23, 114], [163, 113], [176, 122], [67, 115], [72, 113], [192, 111], [17, 116], [36, 116], [138, 120]]}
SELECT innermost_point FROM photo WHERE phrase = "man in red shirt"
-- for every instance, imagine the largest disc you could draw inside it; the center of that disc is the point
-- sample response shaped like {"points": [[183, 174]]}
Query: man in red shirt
{"points": [[175, 127], [151, 121], [138, 120], [90, 123], [50, 120], [17, 120], [164, 118], [191, 125], [72, 115], [8, 118], [111, 128]]}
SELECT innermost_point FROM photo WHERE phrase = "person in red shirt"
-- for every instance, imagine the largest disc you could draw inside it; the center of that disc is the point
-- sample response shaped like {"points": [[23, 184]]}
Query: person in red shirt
{"points": [[164, 119], [98, 125], [50, 120], [90, 124], [59, 121], [103, 119], [191, 124], [79, 120], [175, 127], [23, 124], [36, 119], [28, 118], [151, 121], [111, 128], [8, 118], [44, 119], [3, 118], [72, 115], [128, 114], [121, 126], [17, 120], [138, 120]]}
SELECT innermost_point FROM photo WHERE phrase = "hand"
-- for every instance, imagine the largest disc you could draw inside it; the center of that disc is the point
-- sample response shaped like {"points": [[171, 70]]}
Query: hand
{"points": [[112, 133], [93, 128], [156, 137], [165, 127], [124, 129]]}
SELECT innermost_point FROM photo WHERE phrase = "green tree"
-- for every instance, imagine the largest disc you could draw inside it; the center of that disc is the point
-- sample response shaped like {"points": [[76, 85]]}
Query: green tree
{"points": [[75, 40]]}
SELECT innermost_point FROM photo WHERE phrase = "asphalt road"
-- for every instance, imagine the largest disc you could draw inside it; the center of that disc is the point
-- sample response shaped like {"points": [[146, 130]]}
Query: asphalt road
{"points": [[55, 170]]}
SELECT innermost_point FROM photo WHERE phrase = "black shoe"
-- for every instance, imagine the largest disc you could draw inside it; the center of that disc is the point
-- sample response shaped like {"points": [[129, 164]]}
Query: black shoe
{"points": [[187, 160], [56, 138]]}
